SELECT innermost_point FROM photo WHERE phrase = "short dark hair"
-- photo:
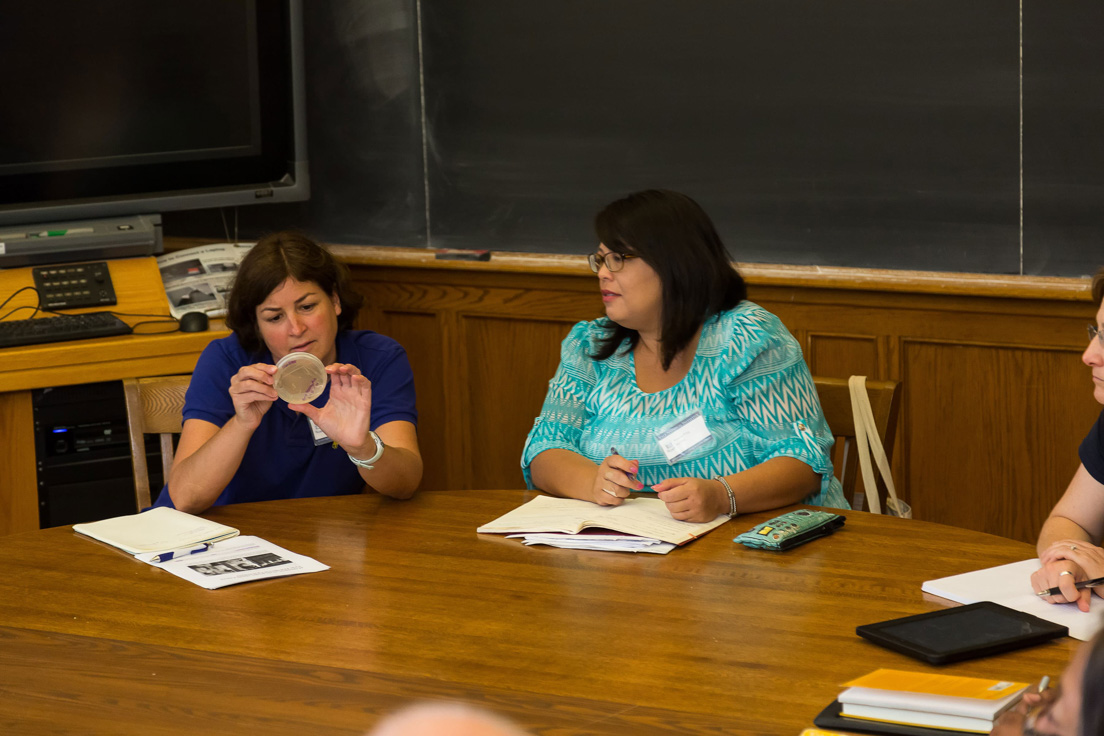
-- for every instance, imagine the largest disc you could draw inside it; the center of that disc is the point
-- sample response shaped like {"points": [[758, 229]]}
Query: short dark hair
{"points": [[1098, 288], [672, 233], [269, 263]]}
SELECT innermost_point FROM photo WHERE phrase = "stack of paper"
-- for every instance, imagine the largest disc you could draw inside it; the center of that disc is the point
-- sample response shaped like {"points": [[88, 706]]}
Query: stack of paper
{"points": [[545, 520], [926, 699], [601, 542]]}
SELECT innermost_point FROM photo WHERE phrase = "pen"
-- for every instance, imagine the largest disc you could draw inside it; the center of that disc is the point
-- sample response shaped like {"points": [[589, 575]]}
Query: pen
{"points": [[1043, 684], [1083, 584], [613, 451], [166, 556]]}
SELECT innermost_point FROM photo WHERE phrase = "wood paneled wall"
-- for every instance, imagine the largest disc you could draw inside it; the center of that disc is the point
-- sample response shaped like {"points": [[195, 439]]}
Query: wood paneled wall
{"points": [[996, 399]]}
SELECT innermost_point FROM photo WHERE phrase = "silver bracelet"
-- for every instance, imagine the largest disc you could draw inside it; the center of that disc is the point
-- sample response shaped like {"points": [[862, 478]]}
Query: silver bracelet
{"points": [[731, 495], [370, 463]]}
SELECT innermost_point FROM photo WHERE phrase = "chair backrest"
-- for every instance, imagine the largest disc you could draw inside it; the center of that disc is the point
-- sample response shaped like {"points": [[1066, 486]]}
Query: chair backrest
{"points": [[835, 399], [154, 406]]}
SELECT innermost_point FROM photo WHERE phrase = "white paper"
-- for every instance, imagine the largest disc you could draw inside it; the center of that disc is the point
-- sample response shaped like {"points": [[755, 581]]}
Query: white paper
{"points": [[599, 542], [239, 560], [1010, 585]]}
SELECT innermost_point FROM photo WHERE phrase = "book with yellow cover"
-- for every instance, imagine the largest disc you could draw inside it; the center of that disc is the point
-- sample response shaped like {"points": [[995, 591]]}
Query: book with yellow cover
{"points": [[929, 699]]}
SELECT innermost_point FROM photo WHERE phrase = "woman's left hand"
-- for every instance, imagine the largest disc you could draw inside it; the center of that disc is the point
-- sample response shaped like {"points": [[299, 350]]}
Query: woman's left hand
{"points": [[347, 415], [693, 499]]}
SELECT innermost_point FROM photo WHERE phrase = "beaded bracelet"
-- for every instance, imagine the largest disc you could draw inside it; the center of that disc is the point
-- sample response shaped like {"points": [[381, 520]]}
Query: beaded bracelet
{"points": [[731, 495]]}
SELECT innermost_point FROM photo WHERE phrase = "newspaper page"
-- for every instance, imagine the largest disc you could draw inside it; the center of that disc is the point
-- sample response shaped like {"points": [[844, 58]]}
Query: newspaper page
{"points": [[238, 560], [198, 279]]}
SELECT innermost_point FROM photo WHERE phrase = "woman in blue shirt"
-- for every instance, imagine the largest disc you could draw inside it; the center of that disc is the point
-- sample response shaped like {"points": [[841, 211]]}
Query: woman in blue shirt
{"points": [[240, 442], [685, 387], [1070, 542]]}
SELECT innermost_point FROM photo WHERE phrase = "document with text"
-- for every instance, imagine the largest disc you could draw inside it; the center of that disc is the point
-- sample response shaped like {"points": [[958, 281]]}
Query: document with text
{"points": [[239, 560]]}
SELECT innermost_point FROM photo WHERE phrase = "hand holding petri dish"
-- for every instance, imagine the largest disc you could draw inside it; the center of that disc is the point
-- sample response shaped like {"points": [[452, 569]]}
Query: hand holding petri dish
{"points": [[300, 378]]}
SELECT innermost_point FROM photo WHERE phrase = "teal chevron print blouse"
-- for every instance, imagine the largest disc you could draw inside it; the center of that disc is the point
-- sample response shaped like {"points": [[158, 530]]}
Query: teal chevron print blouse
{"points": [[748, 379]]}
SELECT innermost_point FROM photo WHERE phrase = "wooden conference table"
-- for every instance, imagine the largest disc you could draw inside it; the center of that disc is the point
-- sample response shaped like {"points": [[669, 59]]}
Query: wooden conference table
{"points": [[712, 638]]}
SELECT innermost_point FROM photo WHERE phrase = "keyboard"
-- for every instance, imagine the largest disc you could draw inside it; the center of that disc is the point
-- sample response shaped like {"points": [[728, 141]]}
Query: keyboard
{"points": [[61, 328]]}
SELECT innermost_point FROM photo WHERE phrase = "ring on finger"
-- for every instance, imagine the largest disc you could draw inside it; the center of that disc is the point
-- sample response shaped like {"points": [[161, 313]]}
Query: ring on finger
{"points": [[1064, 572], [610, 492], [1073, 547]]}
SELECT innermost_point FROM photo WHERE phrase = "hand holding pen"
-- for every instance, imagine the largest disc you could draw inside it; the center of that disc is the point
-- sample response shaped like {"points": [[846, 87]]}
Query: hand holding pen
{"points": [[1080, 585], [615, 479], [1013, 721], [1072, 559]]}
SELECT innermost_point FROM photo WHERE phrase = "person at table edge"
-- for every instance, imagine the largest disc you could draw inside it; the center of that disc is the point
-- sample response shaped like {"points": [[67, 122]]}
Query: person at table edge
{"points": [[1069, 542], [679, 336], [240, 442]]}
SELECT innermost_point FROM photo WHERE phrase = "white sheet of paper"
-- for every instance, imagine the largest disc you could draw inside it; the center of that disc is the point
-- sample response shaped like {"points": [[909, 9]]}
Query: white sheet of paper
{"points": [[238, 560], [598, 542], [1009, 585]]}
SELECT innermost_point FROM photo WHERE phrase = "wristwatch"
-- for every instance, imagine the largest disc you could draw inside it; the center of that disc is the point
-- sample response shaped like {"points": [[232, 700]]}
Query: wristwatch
{"points": [[369, 464]]}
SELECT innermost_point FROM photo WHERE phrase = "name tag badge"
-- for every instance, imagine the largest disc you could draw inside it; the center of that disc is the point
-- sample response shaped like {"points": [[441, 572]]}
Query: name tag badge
{"points": [[681, 437], [320, 437]]}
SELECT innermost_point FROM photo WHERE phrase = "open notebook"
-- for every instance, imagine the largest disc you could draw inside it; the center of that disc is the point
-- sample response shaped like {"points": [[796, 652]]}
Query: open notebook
{"points": [[642, 517]]}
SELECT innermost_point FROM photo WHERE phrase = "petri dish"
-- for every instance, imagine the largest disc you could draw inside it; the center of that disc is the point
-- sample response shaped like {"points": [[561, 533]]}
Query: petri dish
{"points": [[300, 378]]}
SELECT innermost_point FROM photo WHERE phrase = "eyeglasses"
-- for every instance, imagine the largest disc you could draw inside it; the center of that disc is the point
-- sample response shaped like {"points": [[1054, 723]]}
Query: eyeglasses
{"points": [[1094, 331], [613, 261]]}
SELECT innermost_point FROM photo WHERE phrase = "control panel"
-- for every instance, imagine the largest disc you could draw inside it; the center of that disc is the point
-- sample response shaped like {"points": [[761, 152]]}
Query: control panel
{"points": [[74, 285]]}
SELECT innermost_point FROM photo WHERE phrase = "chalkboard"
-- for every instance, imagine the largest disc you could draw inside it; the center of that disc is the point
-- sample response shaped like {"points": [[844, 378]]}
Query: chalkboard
{"points": [[866, 133], [364, 134]]}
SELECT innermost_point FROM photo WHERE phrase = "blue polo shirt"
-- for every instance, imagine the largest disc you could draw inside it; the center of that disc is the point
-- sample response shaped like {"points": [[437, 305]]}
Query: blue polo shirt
{"points": [[282, 460], [1092, 450]]}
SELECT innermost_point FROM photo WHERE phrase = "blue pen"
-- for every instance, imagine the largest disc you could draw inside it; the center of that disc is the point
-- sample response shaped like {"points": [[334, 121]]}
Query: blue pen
{"points": [[166, 556]]}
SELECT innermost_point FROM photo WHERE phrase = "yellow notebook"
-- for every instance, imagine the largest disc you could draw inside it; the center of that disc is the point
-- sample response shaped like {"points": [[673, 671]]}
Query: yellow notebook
{"points": [[926, 699], [937, 684]]}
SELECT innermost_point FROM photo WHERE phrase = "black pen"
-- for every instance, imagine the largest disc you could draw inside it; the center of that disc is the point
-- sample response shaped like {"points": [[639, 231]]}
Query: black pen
{"points": [[1083, 584]]}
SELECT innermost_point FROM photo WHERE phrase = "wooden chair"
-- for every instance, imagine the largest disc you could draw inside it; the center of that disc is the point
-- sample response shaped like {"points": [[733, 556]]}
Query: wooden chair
{"points": [[835, 399], [154, 406]]}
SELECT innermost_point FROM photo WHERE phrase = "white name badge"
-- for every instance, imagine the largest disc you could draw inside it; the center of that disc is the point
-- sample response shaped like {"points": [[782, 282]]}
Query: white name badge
{"points": [[320, 437], [682, 436]]}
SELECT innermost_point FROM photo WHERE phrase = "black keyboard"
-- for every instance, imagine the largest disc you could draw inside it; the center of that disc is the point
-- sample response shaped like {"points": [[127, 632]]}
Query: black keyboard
{"points": [[61, 328]]}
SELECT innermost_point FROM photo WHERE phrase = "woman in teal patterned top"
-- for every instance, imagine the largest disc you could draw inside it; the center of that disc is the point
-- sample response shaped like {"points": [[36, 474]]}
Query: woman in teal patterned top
{"points": [[679, 337]]}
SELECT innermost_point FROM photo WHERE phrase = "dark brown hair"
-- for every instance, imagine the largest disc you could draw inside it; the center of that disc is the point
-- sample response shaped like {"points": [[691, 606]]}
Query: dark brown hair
{"points": [[672, 233], [1098, 287], [269, 263]]}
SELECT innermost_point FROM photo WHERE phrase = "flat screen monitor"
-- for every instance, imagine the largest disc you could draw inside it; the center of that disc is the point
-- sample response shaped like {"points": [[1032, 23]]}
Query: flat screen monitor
{"points": [[130, 107]]}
